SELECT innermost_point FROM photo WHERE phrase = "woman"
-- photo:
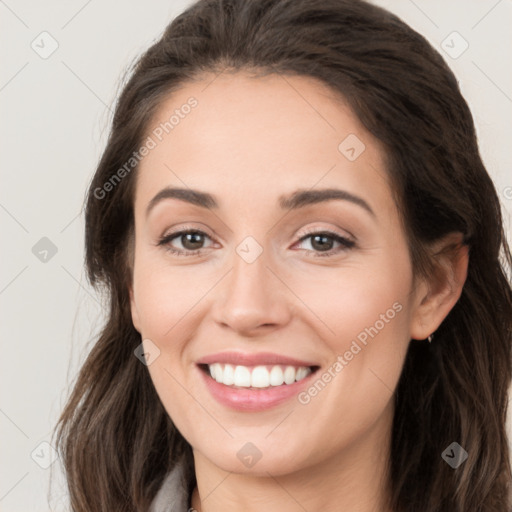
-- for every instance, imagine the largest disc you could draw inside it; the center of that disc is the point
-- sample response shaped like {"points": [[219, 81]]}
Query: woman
{"points": [[307, 273]]}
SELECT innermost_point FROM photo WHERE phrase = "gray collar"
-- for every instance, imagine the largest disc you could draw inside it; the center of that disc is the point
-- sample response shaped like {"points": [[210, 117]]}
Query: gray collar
{"points": [[173, 495]]}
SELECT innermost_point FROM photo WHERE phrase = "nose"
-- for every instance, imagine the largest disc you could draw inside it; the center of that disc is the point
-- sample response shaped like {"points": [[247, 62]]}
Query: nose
{"points": [[253, 299]]}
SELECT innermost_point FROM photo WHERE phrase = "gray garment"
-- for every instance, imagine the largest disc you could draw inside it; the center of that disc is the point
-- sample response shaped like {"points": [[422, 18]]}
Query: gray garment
{"points": [[173, 494]]}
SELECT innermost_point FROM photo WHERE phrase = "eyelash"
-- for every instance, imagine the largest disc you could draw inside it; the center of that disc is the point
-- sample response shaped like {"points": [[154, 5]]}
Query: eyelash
{"points": [[345, 243]]}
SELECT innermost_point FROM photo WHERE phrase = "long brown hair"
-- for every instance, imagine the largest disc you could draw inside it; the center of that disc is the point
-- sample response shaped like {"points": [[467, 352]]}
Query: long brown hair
{"points": [[115, 438]]}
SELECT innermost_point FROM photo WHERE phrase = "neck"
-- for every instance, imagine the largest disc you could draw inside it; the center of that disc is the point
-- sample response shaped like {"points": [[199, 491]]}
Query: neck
{"points": [[354, 479]]}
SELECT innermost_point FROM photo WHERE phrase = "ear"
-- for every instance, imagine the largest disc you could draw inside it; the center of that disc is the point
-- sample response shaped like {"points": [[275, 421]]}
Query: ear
{"points": [[436, 296], [134, 310]]}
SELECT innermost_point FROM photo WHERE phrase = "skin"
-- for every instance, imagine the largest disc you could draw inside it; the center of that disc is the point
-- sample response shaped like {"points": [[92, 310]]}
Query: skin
{"points": [[249, 141]]}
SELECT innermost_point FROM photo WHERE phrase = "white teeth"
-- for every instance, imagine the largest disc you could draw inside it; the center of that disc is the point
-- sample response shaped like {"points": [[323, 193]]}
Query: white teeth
{"points": [[217, 370], [260, 377], [228, 377], [276, 376], [242, 377], [289, 375], [257, 376], [302, 372]]}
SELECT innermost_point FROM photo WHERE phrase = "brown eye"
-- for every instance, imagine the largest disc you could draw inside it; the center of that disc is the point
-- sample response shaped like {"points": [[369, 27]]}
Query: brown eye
{"points": [[191, 242], [322, 243]]}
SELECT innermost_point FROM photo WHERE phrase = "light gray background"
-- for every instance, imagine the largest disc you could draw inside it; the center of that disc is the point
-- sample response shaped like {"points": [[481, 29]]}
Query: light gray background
{"points": [[55, 113]]}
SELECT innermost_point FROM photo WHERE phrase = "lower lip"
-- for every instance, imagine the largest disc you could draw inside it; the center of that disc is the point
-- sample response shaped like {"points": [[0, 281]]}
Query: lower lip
{"points": [[251, 399]]}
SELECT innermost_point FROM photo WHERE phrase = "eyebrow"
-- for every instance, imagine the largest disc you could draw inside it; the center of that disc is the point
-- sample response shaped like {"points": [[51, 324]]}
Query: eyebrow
{"points": [[294, 201]]}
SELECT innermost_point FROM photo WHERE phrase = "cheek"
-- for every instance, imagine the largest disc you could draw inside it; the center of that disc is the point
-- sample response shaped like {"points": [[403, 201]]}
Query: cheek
{"points": [[167, 296], [364, 314], [355, 389], [359, 301], [370, 323], [167, 303]]}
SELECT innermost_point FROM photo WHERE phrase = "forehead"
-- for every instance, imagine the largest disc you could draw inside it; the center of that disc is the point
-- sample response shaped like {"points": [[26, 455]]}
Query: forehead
{"points": [[257, 138]]}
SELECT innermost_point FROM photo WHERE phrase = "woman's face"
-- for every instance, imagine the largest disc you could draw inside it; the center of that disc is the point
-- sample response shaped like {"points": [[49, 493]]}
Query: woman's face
{"points": [[265, 299]]}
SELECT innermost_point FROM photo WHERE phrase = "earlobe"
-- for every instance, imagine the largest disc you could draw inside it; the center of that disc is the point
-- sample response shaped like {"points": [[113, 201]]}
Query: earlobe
{"points": [[438, 295]]}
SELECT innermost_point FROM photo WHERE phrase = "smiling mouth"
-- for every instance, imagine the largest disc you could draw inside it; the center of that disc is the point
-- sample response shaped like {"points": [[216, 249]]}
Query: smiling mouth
{"points": [[256, 377]]}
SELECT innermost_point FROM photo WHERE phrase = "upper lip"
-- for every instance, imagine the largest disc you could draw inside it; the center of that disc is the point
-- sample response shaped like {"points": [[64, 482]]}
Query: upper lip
{"points": [[261, 358]]}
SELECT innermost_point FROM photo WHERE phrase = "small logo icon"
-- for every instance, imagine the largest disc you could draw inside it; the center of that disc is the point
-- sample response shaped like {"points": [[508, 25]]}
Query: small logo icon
{"points": [[249, 455], [249, 249], [44, 455], [44, 250], [454, 45], [351, 147], [44, 45], [454, 455], [147, 352]]}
